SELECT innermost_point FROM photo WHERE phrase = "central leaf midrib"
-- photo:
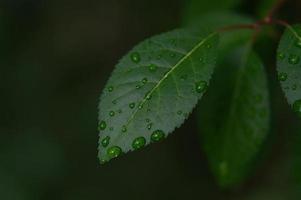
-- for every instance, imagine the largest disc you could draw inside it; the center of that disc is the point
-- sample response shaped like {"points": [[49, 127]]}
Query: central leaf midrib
{"points": [[144, 100]]}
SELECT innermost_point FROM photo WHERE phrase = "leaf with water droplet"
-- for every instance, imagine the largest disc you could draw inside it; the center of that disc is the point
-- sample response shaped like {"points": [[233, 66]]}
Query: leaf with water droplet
{"points": [[289, 67], [234, 116], [162, 92]]}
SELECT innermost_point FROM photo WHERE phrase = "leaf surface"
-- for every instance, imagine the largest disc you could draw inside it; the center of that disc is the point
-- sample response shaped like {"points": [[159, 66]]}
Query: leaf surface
{"points": [[289, 66], [234, 116], [153, 89]]}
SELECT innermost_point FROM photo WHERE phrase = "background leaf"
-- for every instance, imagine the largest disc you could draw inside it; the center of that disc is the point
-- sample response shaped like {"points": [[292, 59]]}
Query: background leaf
{"points": [[289, 66], [153, 89], [196, 8], [234, 116]]}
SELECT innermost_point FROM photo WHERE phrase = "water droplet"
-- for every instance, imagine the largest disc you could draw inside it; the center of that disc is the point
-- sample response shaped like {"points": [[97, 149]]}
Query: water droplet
{"points": [[208, 46], [298, 43], [124, 129], [138, 86], [148, 97], [152, 68], [180, 112], [281, 56], [110, 89], [147, 120], [294, 87], [105, 142], [112, 113], [132, 105], [297, 107], [149, 126], [293, 59], [119, 111], [172, 55], [144, 80], [157, 136], [102, 161], [102, 125], [159, 57], [282, 76], [114, 152], [135, 57], [201, 86], [114, 102], [140, 106], [138, 143]]}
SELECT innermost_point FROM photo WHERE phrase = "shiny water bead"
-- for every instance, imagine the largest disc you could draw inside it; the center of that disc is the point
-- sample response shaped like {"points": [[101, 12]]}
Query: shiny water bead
{"points": [[149, 126], [282, 76], [152, 68], [201, 86], [135, 57], [297, 107], [132, 105], [102, 125], [112, 113], [157, 136], [124, 129], [179, 112], [293, 59], [144, 80], [138, 143], [281, 56], [114, 152], [105, 142], [110, 89]]}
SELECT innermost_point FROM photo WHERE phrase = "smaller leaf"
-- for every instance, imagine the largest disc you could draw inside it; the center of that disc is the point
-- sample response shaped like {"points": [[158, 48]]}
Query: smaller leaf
{"points": [[234, 116], [289, 66]]}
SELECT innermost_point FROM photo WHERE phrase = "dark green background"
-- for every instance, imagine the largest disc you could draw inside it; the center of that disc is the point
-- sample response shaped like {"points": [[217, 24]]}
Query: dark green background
{"points": [[56, 56]]}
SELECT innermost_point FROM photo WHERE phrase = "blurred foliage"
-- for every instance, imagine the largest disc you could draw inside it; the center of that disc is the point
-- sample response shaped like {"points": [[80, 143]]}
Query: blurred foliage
{"points": [[56, 57]]}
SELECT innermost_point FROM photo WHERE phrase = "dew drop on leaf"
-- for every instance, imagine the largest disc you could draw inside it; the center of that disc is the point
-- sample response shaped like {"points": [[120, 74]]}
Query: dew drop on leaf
{"points": [[157, 136], [293, 59], [208, 46], [294, 87], [138, 86], [114, 152], [138, 143], [144, 80], [183, 77], [124, 129], [149, 126], [102, 125], [179, 112], [105, 142], [152, 68], [282, 76], [110, 89], [297, 107], [114, 102], [135, 57], [112, 113], [201, 86], [281, 56], [132, 105]]}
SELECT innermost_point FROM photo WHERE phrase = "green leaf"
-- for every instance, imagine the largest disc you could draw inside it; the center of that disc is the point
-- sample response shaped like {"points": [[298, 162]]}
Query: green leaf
{"points": [[217, 20], [234, 116], [195, 8], [289, 66], [153, 89]]}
